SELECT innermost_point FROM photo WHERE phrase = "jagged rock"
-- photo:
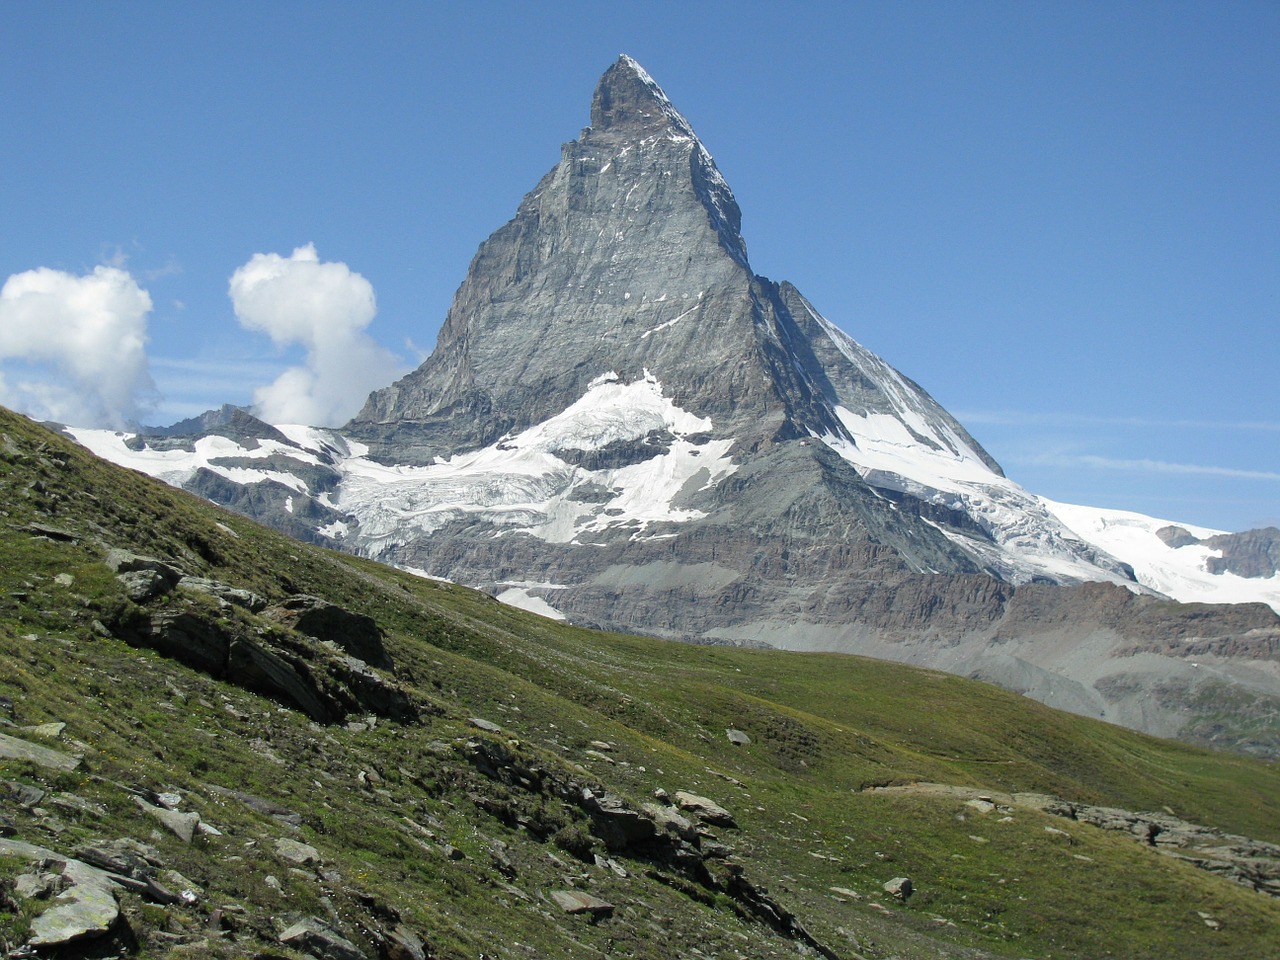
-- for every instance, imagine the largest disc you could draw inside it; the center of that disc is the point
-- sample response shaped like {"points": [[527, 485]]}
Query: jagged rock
{"points": [[296, 852], [233, 595], [181, 825], [708, 811], [141, 586], [252, 665], [404, 944], [12, 748], [355, 633], [86, 906], [371, 691], [1251, 553], [1176, 537], [123, 561], [77, 804], [186, 637], [270, 808], [899, 887], [324, 684], [126, 857], [667, 819], [317, 938], [575, 901], [615, 822], [23, 794], [46, 731], [50, 532]]}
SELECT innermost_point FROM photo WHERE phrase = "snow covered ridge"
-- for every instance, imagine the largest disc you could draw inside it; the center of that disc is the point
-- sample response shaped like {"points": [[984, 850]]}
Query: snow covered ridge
{"points": [[624, 459], [536, 482], [1181, 572]]}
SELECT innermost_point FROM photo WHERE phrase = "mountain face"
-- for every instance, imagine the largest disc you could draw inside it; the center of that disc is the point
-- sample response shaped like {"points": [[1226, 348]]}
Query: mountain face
{"points": [[616, 321], [624, 425]]}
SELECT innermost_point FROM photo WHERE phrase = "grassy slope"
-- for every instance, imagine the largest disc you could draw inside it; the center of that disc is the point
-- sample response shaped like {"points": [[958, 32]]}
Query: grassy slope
{"points": [[822, 728]]}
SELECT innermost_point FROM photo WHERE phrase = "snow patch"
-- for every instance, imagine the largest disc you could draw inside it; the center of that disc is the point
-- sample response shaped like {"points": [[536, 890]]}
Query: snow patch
{"points": [[1181, 573], [522, 598]]}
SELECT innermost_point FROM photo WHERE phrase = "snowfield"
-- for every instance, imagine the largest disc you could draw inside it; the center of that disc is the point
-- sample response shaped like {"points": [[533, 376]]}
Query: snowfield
{"points": [[1179, 572]]}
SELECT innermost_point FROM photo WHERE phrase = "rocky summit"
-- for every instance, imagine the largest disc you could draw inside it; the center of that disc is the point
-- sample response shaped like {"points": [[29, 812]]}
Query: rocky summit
{"points": [[625, 426]]}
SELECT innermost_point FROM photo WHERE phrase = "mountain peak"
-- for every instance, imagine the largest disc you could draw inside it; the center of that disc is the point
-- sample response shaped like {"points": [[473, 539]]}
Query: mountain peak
{"points": [[628, 100]]}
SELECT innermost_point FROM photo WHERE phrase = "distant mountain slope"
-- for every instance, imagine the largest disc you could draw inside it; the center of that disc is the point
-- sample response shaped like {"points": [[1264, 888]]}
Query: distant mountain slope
{"points": [[444, 776]]}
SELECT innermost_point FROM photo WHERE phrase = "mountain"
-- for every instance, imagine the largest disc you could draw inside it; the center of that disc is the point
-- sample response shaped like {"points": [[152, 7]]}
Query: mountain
{"points": [[218, 742], [623, 425]]}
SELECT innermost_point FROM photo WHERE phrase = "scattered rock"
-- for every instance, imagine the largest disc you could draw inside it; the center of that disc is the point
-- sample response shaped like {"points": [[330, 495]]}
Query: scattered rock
{"points": [[235, 596], [708, 811], [85, 908], [317, 938], [486, 725], [899, 887], [45, 731], [737, 737], [23, 794], [668, 820], [575, 901], [125, 857], [64, 579], [845, 892], [182, 825], [50, 532], [144, 578], [294, 851], [980, 804], [270, 808], [404, 944], [11, 748], [141, 586], [71, 802]]}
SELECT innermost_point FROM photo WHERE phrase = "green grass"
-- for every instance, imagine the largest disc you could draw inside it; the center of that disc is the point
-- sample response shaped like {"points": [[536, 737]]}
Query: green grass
{"points": [[389, 806]]}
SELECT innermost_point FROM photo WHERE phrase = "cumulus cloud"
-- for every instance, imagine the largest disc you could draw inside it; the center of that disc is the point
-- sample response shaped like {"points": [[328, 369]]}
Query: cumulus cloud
{"points": [[73, 348], [324, 307]]}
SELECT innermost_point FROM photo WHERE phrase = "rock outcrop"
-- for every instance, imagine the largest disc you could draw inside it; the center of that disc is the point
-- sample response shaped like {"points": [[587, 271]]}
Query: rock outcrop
{"points": [[313, 654]]}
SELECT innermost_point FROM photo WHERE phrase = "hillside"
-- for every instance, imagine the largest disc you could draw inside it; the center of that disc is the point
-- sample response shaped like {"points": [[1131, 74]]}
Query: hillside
{"points": [[368, 763]]}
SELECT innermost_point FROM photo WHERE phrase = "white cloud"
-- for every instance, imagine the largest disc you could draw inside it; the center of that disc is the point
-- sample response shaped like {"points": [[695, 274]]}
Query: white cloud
{"points": [[75, 347], [324, 307]]}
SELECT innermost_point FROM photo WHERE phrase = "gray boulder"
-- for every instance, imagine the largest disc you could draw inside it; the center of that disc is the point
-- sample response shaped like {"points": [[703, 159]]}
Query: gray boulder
{"points": [[320, 940], [708, 811]]}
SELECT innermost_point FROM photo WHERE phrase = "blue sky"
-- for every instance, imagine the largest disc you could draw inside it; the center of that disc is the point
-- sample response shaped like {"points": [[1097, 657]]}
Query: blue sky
{"points": [[1061, 219]]}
